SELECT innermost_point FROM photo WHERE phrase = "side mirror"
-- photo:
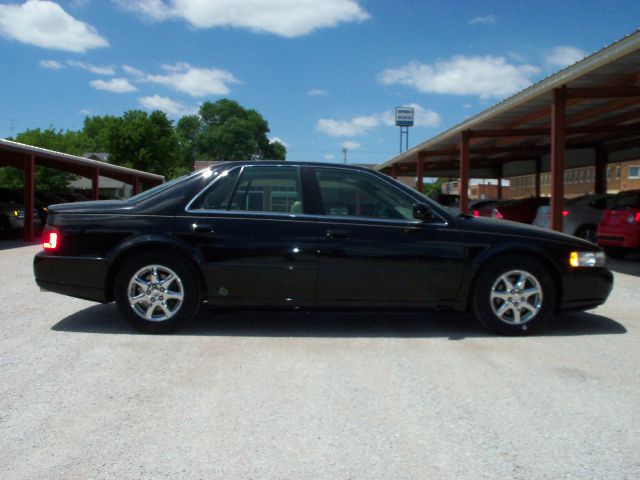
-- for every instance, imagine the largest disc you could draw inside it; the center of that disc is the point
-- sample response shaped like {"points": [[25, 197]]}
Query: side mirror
{"points": [[421, 211]]}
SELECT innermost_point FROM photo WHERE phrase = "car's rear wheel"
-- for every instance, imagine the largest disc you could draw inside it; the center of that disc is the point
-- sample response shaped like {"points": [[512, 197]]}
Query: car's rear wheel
{"points": [[587, 232], [616, 252], [5, 227], [514, 295], [157, 293]]}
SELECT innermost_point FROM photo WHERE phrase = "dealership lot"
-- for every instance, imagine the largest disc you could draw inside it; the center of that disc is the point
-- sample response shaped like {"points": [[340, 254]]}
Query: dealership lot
{"points": [[313, 395]]}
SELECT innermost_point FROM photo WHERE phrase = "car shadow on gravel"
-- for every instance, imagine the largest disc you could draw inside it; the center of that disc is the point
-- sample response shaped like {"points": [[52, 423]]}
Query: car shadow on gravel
{"points": [[454, 326]]}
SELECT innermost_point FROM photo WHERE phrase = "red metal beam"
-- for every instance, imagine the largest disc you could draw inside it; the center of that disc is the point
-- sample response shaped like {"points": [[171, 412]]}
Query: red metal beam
{"points": [[600, 184], [420, 173], [537, 177], [95, 184], [29, 192], [136, 185], [464, 172], [557, 157]]}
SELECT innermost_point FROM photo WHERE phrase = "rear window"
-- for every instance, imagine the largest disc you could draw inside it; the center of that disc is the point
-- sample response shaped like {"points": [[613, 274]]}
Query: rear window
{"points": [[626, 200]]}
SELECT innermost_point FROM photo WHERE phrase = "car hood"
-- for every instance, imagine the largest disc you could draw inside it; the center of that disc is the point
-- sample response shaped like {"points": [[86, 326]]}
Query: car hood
{"points": [[506, 227]]}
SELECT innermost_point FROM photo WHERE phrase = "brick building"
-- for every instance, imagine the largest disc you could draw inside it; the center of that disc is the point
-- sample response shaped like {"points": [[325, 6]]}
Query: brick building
{"points": [[620, 176]]}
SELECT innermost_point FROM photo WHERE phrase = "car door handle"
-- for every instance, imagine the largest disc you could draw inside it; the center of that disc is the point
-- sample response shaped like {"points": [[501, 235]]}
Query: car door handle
{"points": [[341, 234], [202, 227]]}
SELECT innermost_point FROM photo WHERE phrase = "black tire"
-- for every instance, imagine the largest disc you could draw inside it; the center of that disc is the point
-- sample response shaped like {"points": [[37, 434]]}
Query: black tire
{"points": [[587, 232], [616, 252], [166, 314], [517, 317], [5, 227]]}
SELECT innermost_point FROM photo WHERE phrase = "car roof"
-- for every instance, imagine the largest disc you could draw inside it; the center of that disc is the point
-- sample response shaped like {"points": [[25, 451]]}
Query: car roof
{"points": [[297, 163]]}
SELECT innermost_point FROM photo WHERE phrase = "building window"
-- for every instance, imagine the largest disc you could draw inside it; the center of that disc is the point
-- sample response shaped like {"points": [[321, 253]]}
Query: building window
{"points": [[608, 173], [634, 172], [618, 172]]}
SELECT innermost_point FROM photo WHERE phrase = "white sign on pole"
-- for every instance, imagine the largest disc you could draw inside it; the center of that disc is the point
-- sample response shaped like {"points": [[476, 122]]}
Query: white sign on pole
{"points": [[404, 117]]}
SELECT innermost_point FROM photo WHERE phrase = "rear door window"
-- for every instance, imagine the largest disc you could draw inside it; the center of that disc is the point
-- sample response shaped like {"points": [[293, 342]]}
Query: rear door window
{"points": [[268, 189], [626, 200]]}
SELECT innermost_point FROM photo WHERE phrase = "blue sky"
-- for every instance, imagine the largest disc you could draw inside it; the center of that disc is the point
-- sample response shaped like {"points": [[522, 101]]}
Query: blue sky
{"points": [[324, 73]]}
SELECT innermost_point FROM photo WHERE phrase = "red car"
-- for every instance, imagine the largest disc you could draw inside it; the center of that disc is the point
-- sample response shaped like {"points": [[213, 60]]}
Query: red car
{"points": [[523, 210], [619, 228]]}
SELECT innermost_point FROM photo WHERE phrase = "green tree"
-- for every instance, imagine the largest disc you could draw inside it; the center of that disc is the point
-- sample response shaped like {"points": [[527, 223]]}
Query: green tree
{"points": [[227, 131], [143, 141], [433, 189], [46, 179]]}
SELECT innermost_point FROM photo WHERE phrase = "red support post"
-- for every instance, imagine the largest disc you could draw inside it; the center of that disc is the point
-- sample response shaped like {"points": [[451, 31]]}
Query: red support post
{"points": [[500, 182], [95, 184], [29, 193], [558, 146], [394, 170], [538, 165], [600, 184], [464, 172], [420, 173]]}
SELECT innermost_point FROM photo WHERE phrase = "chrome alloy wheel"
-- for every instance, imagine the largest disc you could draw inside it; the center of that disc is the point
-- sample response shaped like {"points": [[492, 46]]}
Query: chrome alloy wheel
{"points": [[516, 297], [155, 293]]}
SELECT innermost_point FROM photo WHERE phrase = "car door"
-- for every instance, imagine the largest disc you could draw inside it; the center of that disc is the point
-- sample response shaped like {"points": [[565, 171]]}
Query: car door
{"points": [[372, 252], [258, 247]]}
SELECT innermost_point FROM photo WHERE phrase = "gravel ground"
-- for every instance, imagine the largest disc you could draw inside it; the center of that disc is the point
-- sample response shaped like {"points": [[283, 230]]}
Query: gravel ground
{"points": [[313, 395]]}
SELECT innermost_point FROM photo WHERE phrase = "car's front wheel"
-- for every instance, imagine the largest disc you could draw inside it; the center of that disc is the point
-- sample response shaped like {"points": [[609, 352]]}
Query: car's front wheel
{"points": [[157, 293], [514, 295]]}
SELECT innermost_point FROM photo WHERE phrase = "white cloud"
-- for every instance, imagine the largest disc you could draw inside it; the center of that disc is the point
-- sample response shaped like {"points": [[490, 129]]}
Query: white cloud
{"points": [[134, 72], [51, 64], [115, 85], [348, 128], [484, 20], [329, 157], [84, 111], [485, 77], [197, 82], [170, 107], [564, 56], [278, 140], [316, 92], [287, 18], [97, 69], [45, 24], [351, 145], [361, 125]]}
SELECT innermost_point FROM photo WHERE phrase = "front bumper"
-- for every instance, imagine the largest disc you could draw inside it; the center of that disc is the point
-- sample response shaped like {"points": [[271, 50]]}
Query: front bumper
{"points": [[81, 277], [585, 288]]}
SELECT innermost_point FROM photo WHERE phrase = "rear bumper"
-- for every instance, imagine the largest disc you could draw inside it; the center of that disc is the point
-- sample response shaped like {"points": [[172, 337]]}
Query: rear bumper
{"points": [[619, 239], [80, 277], [585, 288]]}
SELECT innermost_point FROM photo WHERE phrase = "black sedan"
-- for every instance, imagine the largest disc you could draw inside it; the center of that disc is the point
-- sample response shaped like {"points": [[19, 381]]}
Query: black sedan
{"points": [[310, 236]]}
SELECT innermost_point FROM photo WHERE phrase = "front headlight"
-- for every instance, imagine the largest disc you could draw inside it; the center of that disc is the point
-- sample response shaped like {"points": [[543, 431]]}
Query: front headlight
{"points": [[587, 259], [18, 213]]}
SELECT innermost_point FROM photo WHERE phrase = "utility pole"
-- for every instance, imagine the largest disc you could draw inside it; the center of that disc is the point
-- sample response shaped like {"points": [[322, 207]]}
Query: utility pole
{"points": [[11, 126], [344, 151]]}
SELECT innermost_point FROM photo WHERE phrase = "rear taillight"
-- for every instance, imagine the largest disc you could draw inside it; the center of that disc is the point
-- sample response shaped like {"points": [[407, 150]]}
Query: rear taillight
{"points": [[495, 213], [565, 213], [633, 217], [50, 238], [476, 213]]}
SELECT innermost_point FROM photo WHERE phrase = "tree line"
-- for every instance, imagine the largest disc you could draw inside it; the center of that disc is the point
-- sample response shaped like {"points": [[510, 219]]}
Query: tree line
{"points": [[221, 131]]}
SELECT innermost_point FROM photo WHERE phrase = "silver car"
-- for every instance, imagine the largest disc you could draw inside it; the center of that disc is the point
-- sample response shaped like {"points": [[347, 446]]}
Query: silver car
{"points": [[12, 218], [581, 215]]}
